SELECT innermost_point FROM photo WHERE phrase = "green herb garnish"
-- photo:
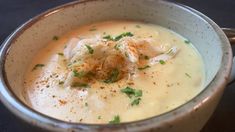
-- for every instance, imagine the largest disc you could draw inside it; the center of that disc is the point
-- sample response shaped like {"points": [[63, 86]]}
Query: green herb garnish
{"points": [[86, 104], [55, 38], [126, 34], [90, 50], [145, 67], [61, 54], [187, 75], [136, 101], [78, 74], [113, 76], [37, 66], [115, 120], [99, 117], [130, 92], [108, 37], [187, 41], [138, 93], [162, 62]]}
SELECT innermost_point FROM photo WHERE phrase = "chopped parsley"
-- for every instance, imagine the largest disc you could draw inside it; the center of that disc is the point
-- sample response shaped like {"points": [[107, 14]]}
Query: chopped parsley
{"points": [[113, 76], [126, 34], [187, 41], [135, 101], [162, 62], [145, 67], [86, 104], [138, 93], [99, 117], [37, 66], [55, 38], [108, 37], [130, 92], [90, 50], [61, 54], [78, 74], [115, 120], [134, 94], [187, 75], [77, 84]]}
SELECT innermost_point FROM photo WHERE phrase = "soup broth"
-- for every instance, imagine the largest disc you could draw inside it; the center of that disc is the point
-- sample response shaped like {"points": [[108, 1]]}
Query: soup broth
{"points": [[112, 72]]}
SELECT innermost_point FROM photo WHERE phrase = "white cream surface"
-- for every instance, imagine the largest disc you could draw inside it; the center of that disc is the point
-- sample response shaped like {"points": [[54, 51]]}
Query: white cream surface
{"points": [[164, 86]]}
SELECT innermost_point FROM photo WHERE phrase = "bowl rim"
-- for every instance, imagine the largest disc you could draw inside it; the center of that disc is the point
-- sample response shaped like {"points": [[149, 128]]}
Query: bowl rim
{"points": [[12, 102]]}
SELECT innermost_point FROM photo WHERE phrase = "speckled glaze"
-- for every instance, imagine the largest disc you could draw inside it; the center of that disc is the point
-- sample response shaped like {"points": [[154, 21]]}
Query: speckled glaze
{"points": [[211, 42]]}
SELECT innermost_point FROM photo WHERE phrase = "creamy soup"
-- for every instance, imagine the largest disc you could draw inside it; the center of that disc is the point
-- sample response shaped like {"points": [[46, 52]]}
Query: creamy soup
{"points": [[112, 72]]}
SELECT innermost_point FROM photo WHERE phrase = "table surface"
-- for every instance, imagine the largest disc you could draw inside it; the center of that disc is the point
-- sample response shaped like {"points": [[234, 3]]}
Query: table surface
{"points": [[15, 12]]}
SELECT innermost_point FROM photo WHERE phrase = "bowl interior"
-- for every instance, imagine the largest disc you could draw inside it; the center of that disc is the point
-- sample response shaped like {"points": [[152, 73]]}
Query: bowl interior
{"points": [[35, 34]]}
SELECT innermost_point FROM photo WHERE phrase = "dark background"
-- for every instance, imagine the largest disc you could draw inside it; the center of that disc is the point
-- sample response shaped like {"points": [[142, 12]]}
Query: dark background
{"points": [[15, 12]]}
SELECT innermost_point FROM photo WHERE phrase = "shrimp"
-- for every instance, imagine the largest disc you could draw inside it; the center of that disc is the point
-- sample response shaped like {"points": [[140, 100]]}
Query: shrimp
{"points": [[111, 60], [164, 57]]}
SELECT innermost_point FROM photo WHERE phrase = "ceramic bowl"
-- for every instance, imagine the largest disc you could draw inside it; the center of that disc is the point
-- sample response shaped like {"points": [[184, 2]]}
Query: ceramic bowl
{"points": [[20, 47]]}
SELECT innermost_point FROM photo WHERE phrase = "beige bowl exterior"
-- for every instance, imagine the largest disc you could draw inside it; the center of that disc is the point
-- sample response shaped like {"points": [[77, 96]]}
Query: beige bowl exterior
{"points": [[23, 44]]}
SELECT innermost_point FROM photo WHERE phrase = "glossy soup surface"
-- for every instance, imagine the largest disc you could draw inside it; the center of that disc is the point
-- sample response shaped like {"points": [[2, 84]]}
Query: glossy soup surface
{"points": [[140, 87]]}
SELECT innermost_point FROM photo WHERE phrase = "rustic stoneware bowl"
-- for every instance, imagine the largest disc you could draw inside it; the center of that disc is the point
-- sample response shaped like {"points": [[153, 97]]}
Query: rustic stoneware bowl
{"points": [[19, 48]]}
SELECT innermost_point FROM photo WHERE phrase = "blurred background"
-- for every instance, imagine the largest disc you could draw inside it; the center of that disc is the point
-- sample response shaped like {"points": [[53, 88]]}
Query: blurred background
{"points": [[13, 13]]}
